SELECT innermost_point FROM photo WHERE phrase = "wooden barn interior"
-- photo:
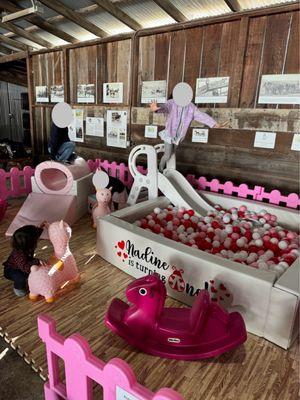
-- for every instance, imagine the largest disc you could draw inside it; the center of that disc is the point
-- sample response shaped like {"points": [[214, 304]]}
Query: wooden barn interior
{"points": [[67, 43]]}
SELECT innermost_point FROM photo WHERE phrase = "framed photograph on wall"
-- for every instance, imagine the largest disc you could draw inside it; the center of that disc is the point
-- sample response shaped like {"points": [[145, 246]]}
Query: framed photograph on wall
{"points": [[151, 131], [57, 94], [212, 90], [94, 126], [113, 92], [154, 90], [200, 135], [86, 93], [76, 128], [116, 128], [279, 89], [41, 94]]}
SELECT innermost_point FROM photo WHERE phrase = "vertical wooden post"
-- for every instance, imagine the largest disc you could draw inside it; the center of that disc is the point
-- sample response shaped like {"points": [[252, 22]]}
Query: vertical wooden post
{"points": [[31, 101], [66, 74], [239, 63]]}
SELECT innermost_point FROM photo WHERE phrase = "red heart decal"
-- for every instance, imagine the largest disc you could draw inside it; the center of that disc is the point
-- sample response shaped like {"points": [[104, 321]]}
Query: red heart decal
{"points": [[221, 298], [227, 294], [213, 290], [121, 244], [125, 255], [119, 253], [222, 287], [212, 282]]}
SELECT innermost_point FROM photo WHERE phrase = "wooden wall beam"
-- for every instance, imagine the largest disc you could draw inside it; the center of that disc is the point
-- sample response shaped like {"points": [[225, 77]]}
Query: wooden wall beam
{"points": [[171, 10], [73, 16], [14, 43], [31, 101], [233, 5], [14, 56], [111, 8], [39, 21], [29, 36]]}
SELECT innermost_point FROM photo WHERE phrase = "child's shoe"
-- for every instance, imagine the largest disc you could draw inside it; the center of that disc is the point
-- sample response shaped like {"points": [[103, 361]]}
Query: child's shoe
{"points": [[20, 292]]}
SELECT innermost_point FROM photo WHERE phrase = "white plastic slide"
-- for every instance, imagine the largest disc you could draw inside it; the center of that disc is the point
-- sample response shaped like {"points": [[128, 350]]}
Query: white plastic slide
{"points": [[180, 192]]}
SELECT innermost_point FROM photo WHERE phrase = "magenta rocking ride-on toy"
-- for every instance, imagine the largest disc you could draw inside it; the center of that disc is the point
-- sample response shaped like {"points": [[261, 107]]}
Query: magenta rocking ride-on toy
{"points": [[206, 330]]}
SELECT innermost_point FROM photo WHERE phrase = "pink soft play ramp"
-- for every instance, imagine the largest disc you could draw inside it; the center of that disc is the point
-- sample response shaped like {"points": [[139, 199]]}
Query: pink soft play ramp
{"points": [[39, 207], [53, 197], [204, 331]]}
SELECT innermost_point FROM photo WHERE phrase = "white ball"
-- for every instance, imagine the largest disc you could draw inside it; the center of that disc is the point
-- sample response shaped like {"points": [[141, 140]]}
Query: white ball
{"points": [[256, 235], [243, 255], [157, 210], [282, 244], [234, 217], [207, 220], [262, 221], [240, 242], [138, 223], [258, 242], [228, 229], [186, 216], [284, 265], [226, 218], [151, 222], [216, 243], [274, 240]]}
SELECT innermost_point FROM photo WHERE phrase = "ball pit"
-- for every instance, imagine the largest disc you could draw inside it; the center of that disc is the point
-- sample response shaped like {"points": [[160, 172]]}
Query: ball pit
{"points": [[238, 234]]}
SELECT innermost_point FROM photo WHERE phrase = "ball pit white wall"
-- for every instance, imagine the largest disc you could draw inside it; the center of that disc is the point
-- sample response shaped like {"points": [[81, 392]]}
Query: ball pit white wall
{"points": [[269, 311]]}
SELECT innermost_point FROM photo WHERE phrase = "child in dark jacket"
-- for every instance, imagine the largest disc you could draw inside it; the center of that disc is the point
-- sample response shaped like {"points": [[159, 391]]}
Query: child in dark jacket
{"points": [[60, 147], [17, 266]]}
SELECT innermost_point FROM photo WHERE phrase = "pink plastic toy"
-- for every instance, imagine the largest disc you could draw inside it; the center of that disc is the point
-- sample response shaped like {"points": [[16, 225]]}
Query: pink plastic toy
{"points": [[46, 280], [103, 197], [204, 331], [3, 207], [83, 369]]}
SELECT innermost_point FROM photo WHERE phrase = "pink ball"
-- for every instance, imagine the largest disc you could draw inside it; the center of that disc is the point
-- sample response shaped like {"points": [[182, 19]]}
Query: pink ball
{"points": [[176, 222], [291, 235], [243, 208], [235, 236]]}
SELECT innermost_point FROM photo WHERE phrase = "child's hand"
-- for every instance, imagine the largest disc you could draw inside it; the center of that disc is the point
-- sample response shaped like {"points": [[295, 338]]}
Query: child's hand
{"points": [[43, 263], [222, 125], [153, 106]]}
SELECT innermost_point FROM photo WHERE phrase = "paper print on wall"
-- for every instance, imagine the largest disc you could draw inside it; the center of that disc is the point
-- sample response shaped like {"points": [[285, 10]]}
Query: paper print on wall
{"points": [[212, 90], [113, 92], [86, 93], [94, 126], [265, 140], [116, 128], [41, 94], [280, 89], [154, 90], [122, 394], [76, 129], [57, 94], [151, 131], [296, 142], [200, 135]]}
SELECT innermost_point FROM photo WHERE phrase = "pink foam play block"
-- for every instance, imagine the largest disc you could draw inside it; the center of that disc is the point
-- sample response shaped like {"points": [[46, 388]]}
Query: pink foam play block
{"points": [[39, 207]]}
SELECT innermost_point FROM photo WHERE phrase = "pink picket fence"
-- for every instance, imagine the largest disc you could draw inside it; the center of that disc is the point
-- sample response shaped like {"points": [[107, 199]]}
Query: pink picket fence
{"points": [[83, 370], [17, 183]]}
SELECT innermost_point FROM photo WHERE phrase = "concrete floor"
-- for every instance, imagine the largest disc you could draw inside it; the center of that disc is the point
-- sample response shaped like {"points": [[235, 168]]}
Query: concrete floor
{"points": [[17, 380]]}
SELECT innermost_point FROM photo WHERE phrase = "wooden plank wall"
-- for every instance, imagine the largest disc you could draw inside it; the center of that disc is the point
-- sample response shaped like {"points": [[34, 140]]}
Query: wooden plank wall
{"points": [[243, 48]]}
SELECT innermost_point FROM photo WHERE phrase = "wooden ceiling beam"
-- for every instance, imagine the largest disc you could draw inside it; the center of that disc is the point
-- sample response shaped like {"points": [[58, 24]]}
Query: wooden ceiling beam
{"points": [[12, 77], [74, 16], [40, 22], [171, 10], [29, 36], [15, 43], [112, 9], [5, 50], [12, 57], [233, 5]]}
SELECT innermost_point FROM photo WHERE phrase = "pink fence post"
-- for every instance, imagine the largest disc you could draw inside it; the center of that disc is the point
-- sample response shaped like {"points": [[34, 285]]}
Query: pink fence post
{"points": [[228, 188], [3, 186], [82, 368], [202, 183], [292, 200], [243, 190]]}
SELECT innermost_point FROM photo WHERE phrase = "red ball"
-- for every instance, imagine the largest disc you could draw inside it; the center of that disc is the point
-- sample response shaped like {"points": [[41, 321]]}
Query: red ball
{"points": [[156, 228], [168, 234], [248, 235], [241, 214], [234, 247], [253, 249], [289, 259], [169, 217], [273, 247], [211, 235], [191, 212], [215, 225], [187, 224], [236, 229]]}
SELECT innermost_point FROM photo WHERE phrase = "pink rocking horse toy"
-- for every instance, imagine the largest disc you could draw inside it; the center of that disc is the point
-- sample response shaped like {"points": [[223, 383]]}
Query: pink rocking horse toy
{"points": [[204, 331]]}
